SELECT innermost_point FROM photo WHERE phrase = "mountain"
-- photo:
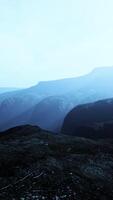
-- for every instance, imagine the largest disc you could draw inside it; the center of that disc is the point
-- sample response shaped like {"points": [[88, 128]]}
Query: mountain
{"points": [[48, 114], [5, 89], [90, 120], [58, 97], [15, 103], [36, 164]]}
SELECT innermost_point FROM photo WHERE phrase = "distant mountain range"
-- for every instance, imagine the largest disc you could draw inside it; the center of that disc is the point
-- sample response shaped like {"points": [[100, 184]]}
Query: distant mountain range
{"points": [[5, 89], [47, 103]]}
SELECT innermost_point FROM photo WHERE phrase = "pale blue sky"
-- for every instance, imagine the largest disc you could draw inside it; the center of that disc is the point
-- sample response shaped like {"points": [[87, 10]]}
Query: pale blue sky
{"points": [[52, 39]]}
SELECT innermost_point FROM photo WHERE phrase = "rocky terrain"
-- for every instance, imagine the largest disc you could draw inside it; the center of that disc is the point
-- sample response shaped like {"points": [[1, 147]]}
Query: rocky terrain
{"points": [[35, 164]]}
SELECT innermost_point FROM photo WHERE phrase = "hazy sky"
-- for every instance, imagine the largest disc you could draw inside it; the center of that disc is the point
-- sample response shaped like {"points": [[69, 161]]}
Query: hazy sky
{"points": [[50, 39]]}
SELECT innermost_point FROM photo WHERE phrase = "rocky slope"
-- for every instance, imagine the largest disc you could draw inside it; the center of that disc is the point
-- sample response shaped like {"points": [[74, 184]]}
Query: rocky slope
{"points": [[35, 164]]}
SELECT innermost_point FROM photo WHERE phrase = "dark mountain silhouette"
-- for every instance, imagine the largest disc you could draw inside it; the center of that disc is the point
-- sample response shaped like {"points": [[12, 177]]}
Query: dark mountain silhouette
{"points": [[36, 164], [90, 120], [15, 106]]}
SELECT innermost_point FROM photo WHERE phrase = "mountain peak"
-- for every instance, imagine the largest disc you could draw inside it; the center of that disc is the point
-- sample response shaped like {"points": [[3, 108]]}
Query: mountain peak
{"points": [[102, 69]]}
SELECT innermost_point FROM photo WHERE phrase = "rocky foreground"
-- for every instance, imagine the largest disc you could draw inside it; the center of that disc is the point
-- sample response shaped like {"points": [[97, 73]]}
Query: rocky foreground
{"points": [[36, 165]]}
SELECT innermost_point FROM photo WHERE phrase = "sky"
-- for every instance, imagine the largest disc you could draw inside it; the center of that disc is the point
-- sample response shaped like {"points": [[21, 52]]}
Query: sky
{"points": [[52, 39]]}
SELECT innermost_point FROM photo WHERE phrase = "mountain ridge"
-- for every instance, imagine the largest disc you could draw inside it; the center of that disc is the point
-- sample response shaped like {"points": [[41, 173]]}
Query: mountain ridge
{"points": [[75, 91]]}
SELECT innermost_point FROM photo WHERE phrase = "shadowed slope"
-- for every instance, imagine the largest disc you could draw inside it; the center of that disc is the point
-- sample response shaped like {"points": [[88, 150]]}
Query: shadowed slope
{"points": [[90, 120]]}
